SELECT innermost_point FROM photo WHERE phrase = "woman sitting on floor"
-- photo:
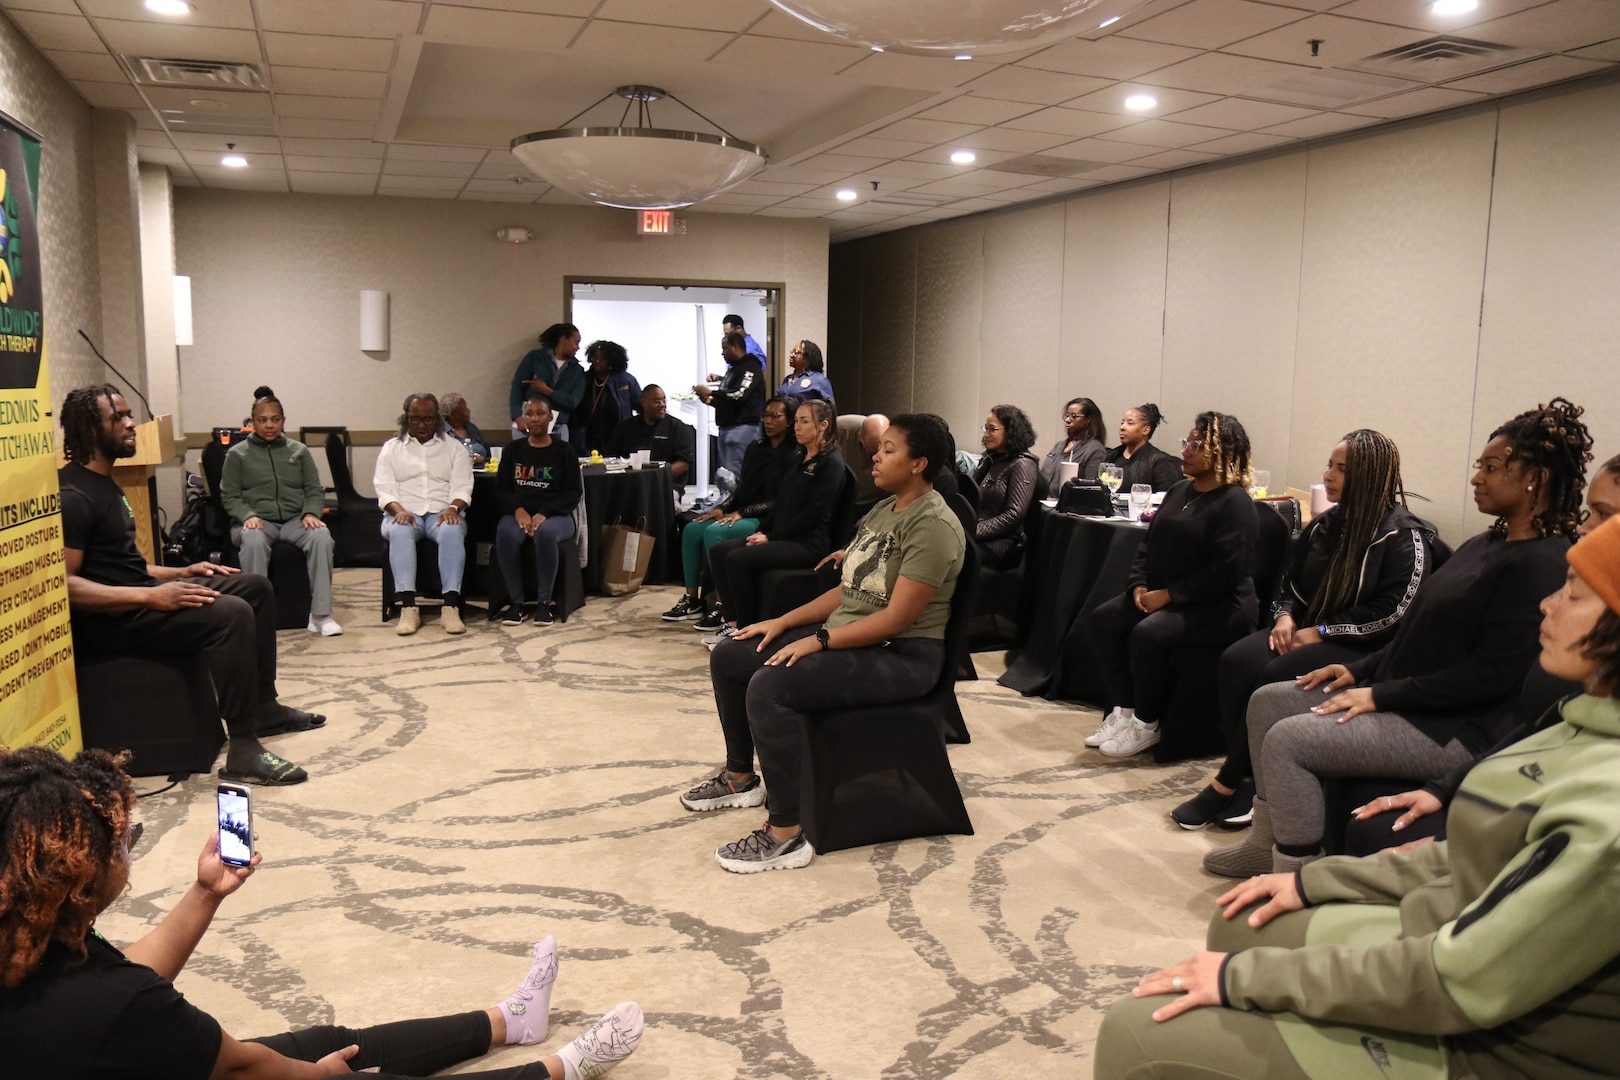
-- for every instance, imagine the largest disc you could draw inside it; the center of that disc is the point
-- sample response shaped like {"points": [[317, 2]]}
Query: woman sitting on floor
{"points": [[1445, 687], [765, 462], [73, 1005], [271, 490], [1189, 585], [1006, 477], [1081, 443], [1143, 462], [875, 639], [1495, 954], [1351, 576], [537, 488], [794, 532]]}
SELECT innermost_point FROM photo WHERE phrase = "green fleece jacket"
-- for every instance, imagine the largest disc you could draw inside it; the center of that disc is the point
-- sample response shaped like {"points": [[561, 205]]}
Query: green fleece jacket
{"points": [[1510, 930], [275, 481]]}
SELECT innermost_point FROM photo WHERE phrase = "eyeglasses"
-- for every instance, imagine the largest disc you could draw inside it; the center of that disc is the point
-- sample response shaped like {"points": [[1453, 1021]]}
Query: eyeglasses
{"points": [[421, 419], [1074, 416], [1192, 444], [990, 429]]}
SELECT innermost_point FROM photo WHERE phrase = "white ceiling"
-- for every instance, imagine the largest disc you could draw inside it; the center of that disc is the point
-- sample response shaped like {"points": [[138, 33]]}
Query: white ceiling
{"points": [[421, 97]]}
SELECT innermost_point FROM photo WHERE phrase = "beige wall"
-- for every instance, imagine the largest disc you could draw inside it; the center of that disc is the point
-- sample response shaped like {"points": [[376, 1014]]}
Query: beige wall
{"points": [[276, 282], [1429, 280]]}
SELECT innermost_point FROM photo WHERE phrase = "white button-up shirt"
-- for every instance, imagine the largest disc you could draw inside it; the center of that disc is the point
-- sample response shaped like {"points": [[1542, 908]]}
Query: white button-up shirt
{"points": [[423, 477]]}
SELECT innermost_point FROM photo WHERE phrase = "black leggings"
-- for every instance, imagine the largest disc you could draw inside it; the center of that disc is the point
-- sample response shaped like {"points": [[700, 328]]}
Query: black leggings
{"points": [[405, 1048], [1249, 664], [736, 567], [1133, 650]]}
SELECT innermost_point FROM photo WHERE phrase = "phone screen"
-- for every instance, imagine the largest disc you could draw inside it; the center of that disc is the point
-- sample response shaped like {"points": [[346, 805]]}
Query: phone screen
{"points": [[235, 827]]}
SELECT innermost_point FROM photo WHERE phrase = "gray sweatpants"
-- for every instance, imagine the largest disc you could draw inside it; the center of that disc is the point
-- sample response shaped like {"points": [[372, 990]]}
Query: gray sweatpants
{"points": [[1295, 750], [253, 548]]}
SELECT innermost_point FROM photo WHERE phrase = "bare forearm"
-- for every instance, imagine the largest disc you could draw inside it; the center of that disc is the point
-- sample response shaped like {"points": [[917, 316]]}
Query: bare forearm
{"points": [[85, 595], [167, 948], [254, 1061]]}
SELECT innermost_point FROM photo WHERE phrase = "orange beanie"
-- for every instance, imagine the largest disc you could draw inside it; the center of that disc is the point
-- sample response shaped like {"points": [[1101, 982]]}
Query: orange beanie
{"points": [[1597, 559]]}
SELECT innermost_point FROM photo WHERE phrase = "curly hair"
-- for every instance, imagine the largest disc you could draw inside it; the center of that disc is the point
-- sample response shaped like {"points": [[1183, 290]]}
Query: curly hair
{"points": [[813, 360], [82, 421], [1151, 416], [927, 436], [61, 824], [405, 412], [1372, 488], [1020, 433], [1228, 446], [616, 355], [1551, 437]]}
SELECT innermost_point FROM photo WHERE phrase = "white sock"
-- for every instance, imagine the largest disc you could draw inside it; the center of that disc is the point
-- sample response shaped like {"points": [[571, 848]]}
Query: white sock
{"points": [[610, 1041], [1127, 714], [528, 1009]]}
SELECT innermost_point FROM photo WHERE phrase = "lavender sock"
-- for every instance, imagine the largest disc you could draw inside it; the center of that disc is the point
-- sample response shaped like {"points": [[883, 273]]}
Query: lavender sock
{"points": [[528, 1009]]}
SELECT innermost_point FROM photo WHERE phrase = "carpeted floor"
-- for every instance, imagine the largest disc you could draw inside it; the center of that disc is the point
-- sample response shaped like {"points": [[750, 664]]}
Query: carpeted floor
{"points": [[470, 794]]}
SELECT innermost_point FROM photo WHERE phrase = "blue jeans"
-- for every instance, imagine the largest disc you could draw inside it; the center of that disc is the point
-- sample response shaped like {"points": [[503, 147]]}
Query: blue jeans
{"points": [[699, 536], [734, 442], [509, 537], [452, 541]]}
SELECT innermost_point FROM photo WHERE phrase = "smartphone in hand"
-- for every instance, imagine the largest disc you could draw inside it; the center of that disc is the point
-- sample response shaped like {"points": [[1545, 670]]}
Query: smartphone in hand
{"points": [[235, 805]]}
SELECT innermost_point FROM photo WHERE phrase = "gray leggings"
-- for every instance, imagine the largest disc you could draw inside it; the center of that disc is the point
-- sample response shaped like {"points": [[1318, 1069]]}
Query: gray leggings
{"points": [[1294, 750]]}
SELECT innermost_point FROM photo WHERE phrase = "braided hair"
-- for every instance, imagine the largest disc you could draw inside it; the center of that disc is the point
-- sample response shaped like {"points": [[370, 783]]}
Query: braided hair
{"points": [[1151, 416], [1228, 446], [1551, 437], [82, 421], [1372, 488], [61, 824]]}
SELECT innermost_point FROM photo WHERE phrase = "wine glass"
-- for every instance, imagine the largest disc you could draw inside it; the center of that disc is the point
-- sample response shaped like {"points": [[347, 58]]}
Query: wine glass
{"points": [[1112, 476]]}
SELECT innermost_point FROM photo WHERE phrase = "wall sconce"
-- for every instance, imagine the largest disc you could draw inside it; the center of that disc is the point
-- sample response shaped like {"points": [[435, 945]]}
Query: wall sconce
{"points": [[373, 320]]}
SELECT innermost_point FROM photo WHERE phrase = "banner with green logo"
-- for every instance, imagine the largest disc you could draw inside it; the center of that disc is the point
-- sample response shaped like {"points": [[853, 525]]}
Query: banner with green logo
{"points": [[38, 702]]}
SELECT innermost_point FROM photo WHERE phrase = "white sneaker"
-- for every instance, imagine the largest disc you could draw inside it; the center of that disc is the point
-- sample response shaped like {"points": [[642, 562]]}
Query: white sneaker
{"points": [[1133, 739], [1112, 725], [725, 633], [324, 625]]}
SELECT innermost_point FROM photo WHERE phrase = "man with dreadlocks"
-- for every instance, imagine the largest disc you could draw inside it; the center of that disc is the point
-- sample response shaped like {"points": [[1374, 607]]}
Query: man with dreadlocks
{"points": [[1445, 688], [121, 605]]}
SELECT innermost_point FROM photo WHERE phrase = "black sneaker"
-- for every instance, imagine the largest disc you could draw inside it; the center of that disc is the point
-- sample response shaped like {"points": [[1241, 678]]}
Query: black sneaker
{"points": [[542, 615], [687, 607], [514, 615], [712, 620], [760, 851], [1239, 813], [1202, 810]]}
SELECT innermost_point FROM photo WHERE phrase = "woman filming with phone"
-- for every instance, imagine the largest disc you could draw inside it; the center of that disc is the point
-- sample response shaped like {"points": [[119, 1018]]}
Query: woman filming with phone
{"points": [[74, 1005]]}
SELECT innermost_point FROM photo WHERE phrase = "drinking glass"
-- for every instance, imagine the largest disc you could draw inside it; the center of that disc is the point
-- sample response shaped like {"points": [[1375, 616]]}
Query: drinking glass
{"points": [[1262, 483], [1141, 499]]}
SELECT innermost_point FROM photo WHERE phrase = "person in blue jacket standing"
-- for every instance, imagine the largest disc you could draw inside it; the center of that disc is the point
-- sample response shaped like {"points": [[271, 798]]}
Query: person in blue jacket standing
{"points": [[807, 374], [550, 372]]}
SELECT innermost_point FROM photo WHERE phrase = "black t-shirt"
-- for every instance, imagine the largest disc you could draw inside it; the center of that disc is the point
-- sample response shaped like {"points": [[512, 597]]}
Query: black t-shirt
{"points": [[669, 440], [102, 1018], [97, 520]]}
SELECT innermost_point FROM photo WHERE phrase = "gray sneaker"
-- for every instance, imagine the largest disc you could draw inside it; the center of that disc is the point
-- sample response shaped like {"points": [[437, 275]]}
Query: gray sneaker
{"points": [[722, 791], [760, 851]]}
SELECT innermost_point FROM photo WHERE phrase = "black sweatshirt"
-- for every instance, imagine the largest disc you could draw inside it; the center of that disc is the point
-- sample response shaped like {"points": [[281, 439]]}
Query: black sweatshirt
{"points": [[1200, 546], [1149, 465], [804, 502], [763, 467], [1459, 658], [540, 479], [1401, 554]]}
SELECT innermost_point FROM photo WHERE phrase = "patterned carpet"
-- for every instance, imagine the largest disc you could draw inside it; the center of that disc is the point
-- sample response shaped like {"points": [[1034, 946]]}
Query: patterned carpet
{"points": [[471, 794]]}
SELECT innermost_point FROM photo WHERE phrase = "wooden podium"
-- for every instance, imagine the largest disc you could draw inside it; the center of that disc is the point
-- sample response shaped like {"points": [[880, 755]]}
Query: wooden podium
{"points": [[154, 445]]}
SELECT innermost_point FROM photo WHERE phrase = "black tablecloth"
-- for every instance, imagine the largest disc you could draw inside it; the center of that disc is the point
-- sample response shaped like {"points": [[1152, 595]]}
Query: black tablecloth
{"points": [[1081, 562]]}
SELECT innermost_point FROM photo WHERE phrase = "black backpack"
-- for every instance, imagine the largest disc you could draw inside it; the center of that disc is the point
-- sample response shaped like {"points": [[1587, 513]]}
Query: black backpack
{"points": [[200, 533]]}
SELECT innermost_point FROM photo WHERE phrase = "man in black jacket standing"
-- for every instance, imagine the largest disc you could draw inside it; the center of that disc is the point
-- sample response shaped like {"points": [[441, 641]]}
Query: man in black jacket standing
{"points": [[737, 400]]}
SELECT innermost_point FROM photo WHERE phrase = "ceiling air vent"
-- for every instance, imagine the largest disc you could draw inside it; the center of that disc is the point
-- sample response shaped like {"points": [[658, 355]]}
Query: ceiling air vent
{"points": [[1047, 165], [1439, 59], [195, 74], [913, 198], [1330, 89]]}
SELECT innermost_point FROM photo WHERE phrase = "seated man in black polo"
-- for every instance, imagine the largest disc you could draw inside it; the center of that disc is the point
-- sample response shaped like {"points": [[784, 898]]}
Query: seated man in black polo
{"points": [[120, 605], [669, 439]]}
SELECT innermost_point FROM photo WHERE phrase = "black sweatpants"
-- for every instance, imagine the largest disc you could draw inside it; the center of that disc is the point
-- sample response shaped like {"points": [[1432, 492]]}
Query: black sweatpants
{"points": [[763, 708], [406, 1047], [236, 635], [1133, 650], [735, 567]]}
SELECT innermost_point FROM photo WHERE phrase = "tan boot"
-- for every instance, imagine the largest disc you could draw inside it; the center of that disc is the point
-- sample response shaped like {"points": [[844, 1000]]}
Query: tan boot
{"points": [[1250, 857], [410, 621], [450, 618]]}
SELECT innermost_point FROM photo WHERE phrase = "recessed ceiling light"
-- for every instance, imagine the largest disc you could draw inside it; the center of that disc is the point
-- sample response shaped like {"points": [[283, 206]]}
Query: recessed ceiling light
{"points": [[233, 161], [964, 157], [964, 56], [1110, 21], [877, 48], [207, 103], [168, 7], [1141, 101], [848, 194], [1453, 7]]}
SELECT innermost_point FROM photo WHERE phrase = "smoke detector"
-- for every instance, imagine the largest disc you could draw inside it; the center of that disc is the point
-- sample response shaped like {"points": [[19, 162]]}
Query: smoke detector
{"points": [[514, 234]]}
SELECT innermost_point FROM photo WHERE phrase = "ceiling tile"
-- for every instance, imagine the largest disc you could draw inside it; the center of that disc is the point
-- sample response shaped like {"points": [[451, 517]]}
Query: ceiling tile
{"points": [[242, 179], [1425, 99], [351, 18], [559, 197], [1345, 42], [311, 50], [502, 29], [1071, 122], [530, 191], [924, 171], [227, 13], [782, 57], [1110, 58], [1243, 143], [306, 163], [55, 7], [422, 183], [50, 31], [1011, 140], [1321, 124], [1112, 100], [977, 111], [144, 120], [90, 66], [306, 128], [734, 198], [875, 147], [327, 108], [459, 170], [1174, 159], [1419, 17], [780, 24], [1560, 25], [1548, 69], [363, 148], [408, 152], [248, 144], [1057, 187], [1607, 50], [1100, 150], [1218, 73], [419, 193], [636, 39], [839, 162], [1211, 24], [160, 155], [787, 211], [325, 183], [771, 187], [1242, 115], [497, 196], [503, 171], [106, 95], [168, 39], [222, 104], [1115, 173], [327, 82], [1014, 83], [915, 72], [941, 156], [202, 160], [578, 8], [732, 16], [155, 138]]}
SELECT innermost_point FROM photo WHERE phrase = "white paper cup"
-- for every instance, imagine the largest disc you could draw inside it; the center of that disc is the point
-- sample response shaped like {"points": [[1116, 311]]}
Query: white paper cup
{"points": [[1067, 470]]}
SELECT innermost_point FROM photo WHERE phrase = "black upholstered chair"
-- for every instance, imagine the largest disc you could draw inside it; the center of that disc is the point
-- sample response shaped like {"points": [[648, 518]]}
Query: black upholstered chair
{"points": [[780, 591], [356, 524], [567, 592], [160, 708], [871, 774]]}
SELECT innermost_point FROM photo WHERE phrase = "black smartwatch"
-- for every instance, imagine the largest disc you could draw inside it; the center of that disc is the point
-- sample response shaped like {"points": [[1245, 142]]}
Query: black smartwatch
{"points": [[824, 639]]}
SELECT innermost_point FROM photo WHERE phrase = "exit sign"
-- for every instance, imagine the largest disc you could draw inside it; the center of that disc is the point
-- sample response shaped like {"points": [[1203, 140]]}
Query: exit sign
{"points": [[658, 223]]}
